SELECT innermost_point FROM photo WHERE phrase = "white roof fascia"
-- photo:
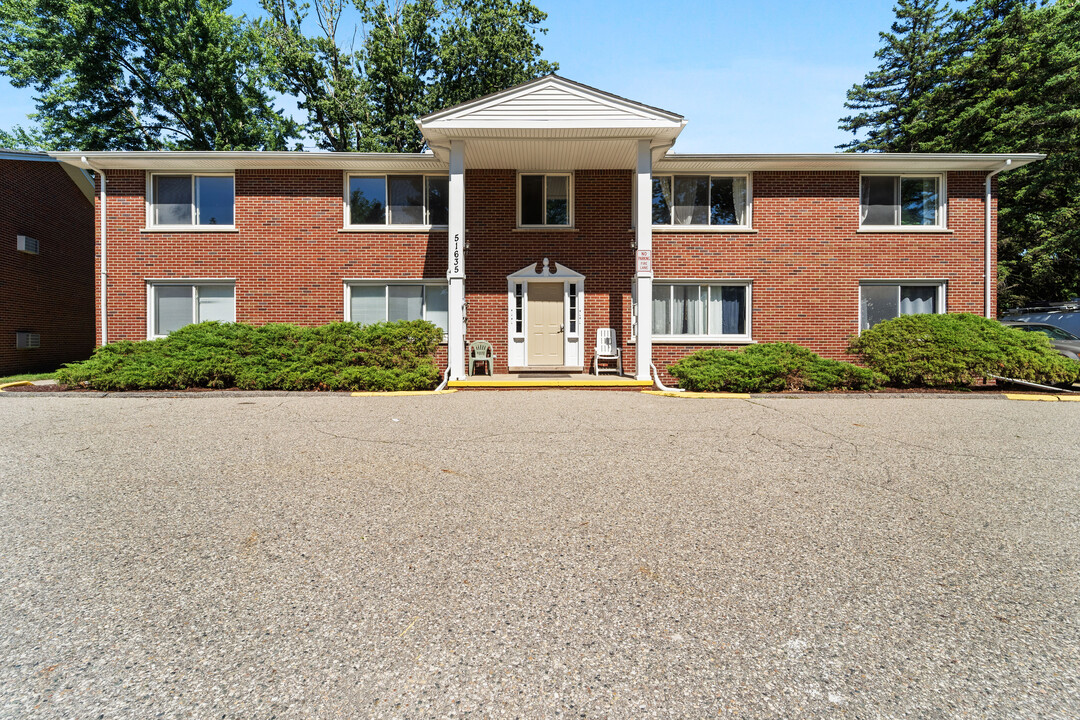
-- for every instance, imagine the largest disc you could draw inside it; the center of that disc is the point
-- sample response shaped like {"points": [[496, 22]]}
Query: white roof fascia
{"points": [[28, 155], [866, 162], [252, 160]]}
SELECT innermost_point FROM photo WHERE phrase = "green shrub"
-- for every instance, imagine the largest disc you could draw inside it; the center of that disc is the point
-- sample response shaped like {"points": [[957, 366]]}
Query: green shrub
{"points": [[769, 367], [955, 350], [338, 356]]}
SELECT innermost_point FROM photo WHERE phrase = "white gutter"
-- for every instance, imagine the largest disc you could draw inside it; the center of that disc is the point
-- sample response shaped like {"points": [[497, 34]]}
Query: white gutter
{"points": [[104, 274], [987, 249]]}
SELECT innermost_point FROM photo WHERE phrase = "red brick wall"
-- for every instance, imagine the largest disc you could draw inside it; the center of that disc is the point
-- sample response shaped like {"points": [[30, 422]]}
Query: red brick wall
{"points": [[289, 256], [50, 293], [807, 257], [599, 247]]}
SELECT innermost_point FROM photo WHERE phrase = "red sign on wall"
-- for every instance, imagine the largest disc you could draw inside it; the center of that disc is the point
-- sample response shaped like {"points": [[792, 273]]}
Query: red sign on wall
{"points": [[644, 261]]}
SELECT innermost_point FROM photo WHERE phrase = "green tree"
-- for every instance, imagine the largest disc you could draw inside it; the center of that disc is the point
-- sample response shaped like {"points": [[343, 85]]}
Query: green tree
{"points": [[1016, 88], [415, 56], [140, 75], [910, 63], [1009, 82]]}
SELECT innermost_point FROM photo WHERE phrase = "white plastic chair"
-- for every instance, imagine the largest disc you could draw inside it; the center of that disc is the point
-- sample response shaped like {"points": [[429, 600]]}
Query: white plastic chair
{"points": [[607, 350]]}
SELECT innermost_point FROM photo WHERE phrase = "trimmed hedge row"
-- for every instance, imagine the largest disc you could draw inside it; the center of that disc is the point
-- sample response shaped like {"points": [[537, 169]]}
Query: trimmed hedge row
{"points": [[932, 351], [957, 349], [770, 367], [338, 356]]}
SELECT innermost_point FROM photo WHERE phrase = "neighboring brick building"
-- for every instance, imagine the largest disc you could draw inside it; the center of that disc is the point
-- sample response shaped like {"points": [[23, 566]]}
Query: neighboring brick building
{"points": [[46, 263], [542, 214]]}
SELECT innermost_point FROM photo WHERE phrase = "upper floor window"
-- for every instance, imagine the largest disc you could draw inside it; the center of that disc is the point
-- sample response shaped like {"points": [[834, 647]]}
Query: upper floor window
{"points": [[901, 200], [398, 200], [196, 200], [700, 200], [544, 200]]}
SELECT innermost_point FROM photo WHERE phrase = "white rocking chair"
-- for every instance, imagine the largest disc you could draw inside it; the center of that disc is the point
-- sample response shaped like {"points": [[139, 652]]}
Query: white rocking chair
{"points": [[607, 350]]}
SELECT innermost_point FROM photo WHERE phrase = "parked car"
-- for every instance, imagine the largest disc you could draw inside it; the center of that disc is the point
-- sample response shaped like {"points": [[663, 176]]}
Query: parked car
{"points": [[1063, 341]]}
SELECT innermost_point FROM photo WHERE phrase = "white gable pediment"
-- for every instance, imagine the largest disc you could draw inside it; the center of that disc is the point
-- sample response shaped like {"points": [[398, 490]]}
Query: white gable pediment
{"points": [[552, 101]]}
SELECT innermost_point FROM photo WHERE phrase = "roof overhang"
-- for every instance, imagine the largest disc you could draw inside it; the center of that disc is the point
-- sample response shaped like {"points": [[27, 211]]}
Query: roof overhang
{"points": [[252, 160], [865, 162], [551, 123], [79, 176]]}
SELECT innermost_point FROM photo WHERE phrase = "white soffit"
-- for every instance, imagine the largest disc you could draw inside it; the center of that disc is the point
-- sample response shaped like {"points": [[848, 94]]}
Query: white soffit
{"points": [[528, 155], [865, 162]]}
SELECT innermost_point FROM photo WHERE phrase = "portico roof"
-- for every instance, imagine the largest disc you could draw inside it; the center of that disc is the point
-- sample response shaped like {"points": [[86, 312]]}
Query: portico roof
{"points": [[551, 123]]}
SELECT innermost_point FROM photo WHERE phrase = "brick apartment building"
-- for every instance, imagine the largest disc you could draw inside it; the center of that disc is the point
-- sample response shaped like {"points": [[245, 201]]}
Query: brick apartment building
{"points": [[46, 263], [539, 215]]}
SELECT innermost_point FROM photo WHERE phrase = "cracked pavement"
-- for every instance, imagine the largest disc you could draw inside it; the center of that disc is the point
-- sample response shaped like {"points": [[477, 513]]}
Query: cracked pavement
{"points": [[538, 554]]}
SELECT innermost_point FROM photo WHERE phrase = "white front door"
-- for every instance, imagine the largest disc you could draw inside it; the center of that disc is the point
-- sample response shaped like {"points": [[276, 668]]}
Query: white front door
{"points": [[545, 324]]}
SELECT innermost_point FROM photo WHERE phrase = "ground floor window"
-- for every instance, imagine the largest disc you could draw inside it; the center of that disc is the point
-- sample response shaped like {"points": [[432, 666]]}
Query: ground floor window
{"points": [[881, 301], [706, 311], [372, 302], [172, 305]]}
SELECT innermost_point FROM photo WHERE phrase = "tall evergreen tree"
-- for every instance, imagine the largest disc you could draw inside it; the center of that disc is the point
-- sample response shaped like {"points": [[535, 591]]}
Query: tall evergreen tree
{"points": [[139, 75], [910, 62], [1017, 89]]}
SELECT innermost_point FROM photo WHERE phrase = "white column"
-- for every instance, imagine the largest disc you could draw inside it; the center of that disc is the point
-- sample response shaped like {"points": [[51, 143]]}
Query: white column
{"points": [[455, 267], [643, 226]]}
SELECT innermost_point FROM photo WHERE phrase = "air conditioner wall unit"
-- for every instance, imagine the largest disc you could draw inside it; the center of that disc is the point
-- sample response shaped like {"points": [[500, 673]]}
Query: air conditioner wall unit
{"points": [[27, 340], [28, 245]]}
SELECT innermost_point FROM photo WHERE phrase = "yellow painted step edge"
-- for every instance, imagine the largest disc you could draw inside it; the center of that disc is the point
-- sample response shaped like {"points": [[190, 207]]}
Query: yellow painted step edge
{"points": [[1043, 398], [15, 384], [400, 393], [547, 383], [724, 396]]}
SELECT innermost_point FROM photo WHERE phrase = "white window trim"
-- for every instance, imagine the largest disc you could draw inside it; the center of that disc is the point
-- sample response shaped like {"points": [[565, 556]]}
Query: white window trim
{"points": [[150, 226], [569, 199], [671, 227], [942, 224], [707, 339], [385, 283], [151, 305], [347, 226], [942, 294]]}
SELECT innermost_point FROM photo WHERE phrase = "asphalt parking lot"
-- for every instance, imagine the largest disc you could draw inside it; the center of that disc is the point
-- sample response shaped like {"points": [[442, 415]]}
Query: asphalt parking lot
{"points": [[538, 554]]}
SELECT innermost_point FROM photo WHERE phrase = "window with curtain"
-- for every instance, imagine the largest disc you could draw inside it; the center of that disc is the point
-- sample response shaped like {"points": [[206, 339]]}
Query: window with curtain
{"points": [[389, 302], [699, 200], [700, 310], [174, 305], [879, 302], [544, 200], [900, 200], [197, 200], [398, 199]]}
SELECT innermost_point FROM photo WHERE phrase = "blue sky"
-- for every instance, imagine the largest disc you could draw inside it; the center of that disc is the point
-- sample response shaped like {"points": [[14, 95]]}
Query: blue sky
{"points": [[763, 76]]}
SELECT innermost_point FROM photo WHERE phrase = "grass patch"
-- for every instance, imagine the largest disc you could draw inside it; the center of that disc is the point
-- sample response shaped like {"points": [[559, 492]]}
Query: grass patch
{"points": [[28, 376], [769, 367], [338, 356], [958, 349]]}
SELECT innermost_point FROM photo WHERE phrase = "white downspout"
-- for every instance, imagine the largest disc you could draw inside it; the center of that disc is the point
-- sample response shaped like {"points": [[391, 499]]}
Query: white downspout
{"points": [[104, 274], [988, 279]]}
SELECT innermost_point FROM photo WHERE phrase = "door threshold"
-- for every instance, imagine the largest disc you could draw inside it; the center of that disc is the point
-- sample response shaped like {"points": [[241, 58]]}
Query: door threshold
{"points": [[548, 369]]}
